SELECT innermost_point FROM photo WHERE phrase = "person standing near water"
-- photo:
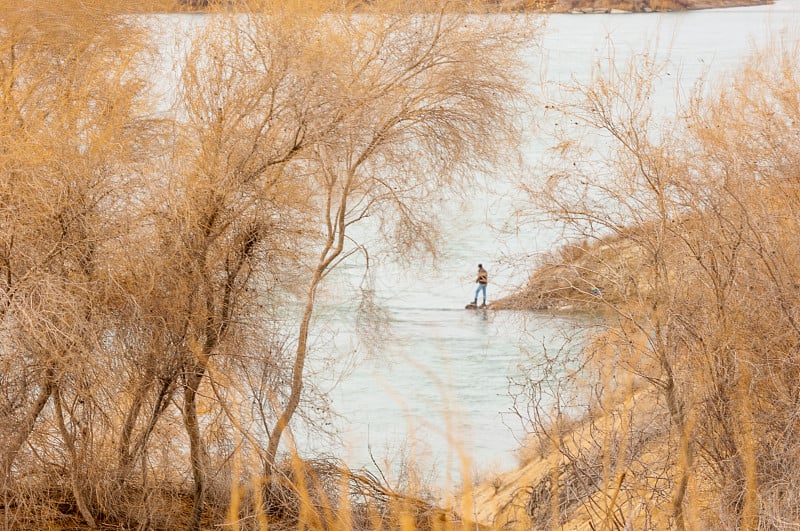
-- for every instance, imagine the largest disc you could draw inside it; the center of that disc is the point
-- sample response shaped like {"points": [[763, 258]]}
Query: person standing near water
{"points": [[482, 280]]}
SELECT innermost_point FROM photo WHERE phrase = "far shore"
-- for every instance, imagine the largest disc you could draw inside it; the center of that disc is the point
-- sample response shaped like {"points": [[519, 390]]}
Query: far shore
{"points": [[642, 6], [553, 6]]}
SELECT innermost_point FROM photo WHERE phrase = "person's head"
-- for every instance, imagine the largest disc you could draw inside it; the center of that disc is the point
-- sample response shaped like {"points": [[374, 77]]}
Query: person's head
{"points": [[480, 266]]}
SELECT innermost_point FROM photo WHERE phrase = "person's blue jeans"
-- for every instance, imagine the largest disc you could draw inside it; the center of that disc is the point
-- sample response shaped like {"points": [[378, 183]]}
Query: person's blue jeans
{"points": [[481, 287]]}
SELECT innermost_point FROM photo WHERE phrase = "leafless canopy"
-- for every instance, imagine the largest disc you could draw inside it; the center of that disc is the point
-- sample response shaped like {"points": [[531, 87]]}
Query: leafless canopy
{"points": [[689, 231], [159, 269]]}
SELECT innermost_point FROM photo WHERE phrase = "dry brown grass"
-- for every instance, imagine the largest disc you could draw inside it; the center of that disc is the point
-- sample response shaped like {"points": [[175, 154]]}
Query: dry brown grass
{"points": [[319, 494]]}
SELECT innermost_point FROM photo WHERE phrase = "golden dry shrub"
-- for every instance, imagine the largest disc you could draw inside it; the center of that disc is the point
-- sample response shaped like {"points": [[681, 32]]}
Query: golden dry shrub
{"points": [[690, 228], [160, 260]]}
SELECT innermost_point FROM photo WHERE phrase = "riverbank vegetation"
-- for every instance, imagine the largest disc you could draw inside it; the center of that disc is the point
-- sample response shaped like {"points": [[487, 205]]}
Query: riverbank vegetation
{"points": [[681, 412], [170, 215], [163, 246]]}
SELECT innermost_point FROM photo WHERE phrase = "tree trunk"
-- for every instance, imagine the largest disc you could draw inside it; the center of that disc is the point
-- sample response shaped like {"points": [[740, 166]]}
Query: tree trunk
{"points": [[746, 447], [297, 377], [25, 428], [129, 451], [197, 451], [69, 441]]}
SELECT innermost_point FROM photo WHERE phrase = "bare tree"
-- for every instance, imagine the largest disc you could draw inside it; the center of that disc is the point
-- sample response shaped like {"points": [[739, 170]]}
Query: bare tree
{"points": [[159, 276], [71, 143], [343, 118], [687, 225]]}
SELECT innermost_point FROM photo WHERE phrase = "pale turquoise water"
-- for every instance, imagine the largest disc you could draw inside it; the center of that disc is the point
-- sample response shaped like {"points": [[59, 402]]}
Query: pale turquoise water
{"points": [[436, 387], [439, 388]]}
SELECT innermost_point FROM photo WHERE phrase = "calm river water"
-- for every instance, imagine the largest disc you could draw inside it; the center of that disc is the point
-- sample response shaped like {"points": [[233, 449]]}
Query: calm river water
{"points": [[437, 390]]}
